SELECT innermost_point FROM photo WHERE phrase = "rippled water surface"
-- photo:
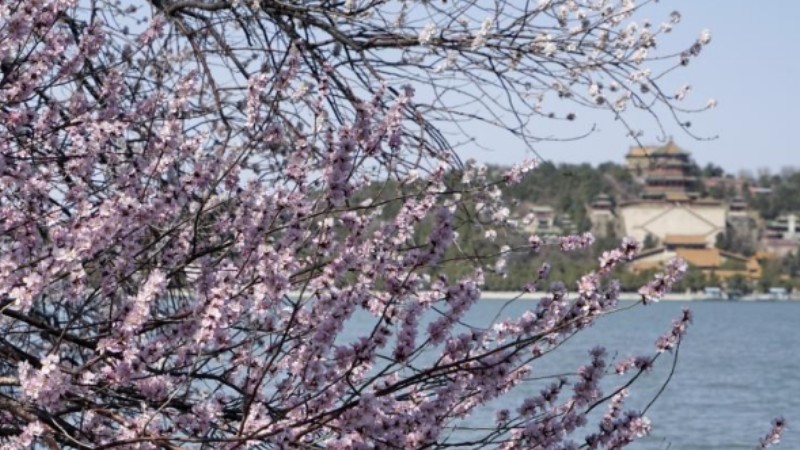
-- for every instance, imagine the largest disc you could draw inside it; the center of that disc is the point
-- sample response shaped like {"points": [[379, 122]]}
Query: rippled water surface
{"points": [[737, 369]]}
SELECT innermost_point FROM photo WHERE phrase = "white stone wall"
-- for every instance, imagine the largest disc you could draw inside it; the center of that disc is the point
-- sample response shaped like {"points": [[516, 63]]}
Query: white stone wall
{"points": [[661, 219]]}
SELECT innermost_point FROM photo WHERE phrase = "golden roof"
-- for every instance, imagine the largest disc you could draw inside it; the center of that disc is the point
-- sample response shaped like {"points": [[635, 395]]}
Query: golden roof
{"points": [[670, 148], [761, 254], [707, 257], [641, 266], [676, 196], [753, 266], [640, 152], [735, 256]]}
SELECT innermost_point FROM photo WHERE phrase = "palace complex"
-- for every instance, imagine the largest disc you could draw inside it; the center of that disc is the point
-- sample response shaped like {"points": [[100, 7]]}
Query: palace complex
{"points": [[672, 217]]}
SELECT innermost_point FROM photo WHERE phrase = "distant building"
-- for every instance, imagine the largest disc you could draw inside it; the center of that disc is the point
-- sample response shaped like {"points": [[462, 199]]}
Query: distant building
{"points": [[780, 248], [782, 235], [665, 171], [784, 227], [543, 219], [708, 260], [660, 219], [603, 203], [566, 225], [758, 190], [601, 214], [728, 182], [671, 212], [778, 293], [737, 207]]}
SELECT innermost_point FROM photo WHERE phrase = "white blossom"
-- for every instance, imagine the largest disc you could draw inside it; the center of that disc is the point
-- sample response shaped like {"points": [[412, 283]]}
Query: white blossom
{"points": [[705, 37], [480, 38], [594, 90], [622, 102], [301, 91], [426, 34], [682, 92], [501, 214], [639, 75], [321, 121], [448, 63], [528, 219]]}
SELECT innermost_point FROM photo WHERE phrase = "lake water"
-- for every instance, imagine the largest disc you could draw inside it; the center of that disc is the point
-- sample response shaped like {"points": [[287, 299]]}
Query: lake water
{"points": [[738, 368]]}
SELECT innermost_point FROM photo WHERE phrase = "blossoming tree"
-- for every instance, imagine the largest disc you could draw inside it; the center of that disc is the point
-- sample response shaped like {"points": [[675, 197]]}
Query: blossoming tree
{"points": [[184, 233]]}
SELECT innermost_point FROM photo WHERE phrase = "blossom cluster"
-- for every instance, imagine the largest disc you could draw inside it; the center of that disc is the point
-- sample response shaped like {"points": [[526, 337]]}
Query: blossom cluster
{"points": [[663, 282], [774, 435], [199, 201]]}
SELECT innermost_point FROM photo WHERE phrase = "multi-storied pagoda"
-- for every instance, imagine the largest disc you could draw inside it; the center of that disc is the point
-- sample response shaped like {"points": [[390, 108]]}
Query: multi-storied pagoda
{"points": [[665, 170]]}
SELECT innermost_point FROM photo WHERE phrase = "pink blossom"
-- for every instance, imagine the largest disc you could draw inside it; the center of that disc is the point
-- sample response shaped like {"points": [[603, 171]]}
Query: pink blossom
{"points": [[219, 227], [774, 435]]}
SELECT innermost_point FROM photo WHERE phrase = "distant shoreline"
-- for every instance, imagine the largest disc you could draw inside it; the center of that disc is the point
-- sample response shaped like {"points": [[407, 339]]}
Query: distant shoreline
{"points": [[671, 297], [507, 295], [630, 296]]}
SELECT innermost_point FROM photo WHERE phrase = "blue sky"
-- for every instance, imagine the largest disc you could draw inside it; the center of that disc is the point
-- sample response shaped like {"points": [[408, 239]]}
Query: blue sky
{"points": [[750, 68]]}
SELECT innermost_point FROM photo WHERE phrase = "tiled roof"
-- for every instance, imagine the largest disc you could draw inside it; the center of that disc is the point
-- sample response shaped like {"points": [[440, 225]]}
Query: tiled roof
{"points": [[641, 266], [669, 149], [735, 256], [640, 152], [707, 257], [676, 196]]}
